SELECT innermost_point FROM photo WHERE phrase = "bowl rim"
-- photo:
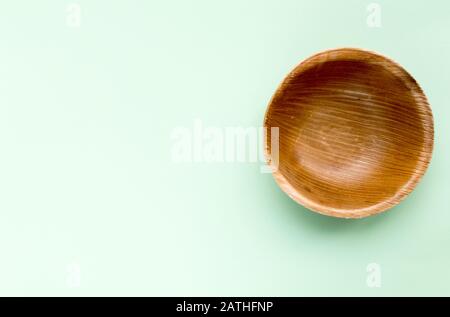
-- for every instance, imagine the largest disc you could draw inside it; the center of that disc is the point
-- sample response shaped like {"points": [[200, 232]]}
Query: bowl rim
{"points": [[420, 169]]}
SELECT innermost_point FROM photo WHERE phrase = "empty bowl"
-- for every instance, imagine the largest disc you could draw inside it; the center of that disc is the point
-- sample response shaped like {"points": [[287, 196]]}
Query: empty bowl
{"points": [[355, 133]]}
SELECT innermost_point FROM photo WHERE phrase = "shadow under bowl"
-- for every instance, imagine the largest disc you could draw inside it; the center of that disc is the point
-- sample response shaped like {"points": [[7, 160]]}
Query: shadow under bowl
{"points": [[355, 133]]}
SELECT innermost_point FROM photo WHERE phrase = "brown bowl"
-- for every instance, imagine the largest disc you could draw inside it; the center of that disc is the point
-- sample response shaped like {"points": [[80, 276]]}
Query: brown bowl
{"points": [[355, 133]]}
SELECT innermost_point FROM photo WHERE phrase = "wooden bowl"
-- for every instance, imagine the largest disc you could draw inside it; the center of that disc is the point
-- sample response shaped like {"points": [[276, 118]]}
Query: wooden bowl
{"points": [[355, 133]]}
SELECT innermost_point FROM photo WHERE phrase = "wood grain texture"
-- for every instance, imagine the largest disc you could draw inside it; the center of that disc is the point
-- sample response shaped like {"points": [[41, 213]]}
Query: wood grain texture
{"points": [[355, 133]]}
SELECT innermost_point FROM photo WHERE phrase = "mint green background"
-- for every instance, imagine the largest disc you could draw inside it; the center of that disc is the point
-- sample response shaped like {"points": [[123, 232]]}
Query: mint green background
{"points": [[86, 174]]}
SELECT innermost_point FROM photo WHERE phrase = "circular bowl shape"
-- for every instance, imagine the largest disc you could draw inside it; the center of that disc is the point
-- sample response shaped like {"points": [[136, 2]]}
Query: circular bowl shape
{"points": [[355, 133]]}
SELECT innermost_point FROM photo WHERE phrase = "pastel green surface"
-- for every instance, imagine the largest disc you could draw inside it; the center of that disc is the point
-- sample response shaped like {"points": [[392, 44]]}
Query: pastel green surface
{"points": [[86, 175]]}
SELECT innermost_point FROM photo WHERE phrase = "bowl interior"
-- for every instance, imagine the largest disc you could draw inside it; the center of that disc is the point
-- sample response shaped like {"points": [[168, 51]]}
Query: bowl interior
{"points": [[355, 133]]}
